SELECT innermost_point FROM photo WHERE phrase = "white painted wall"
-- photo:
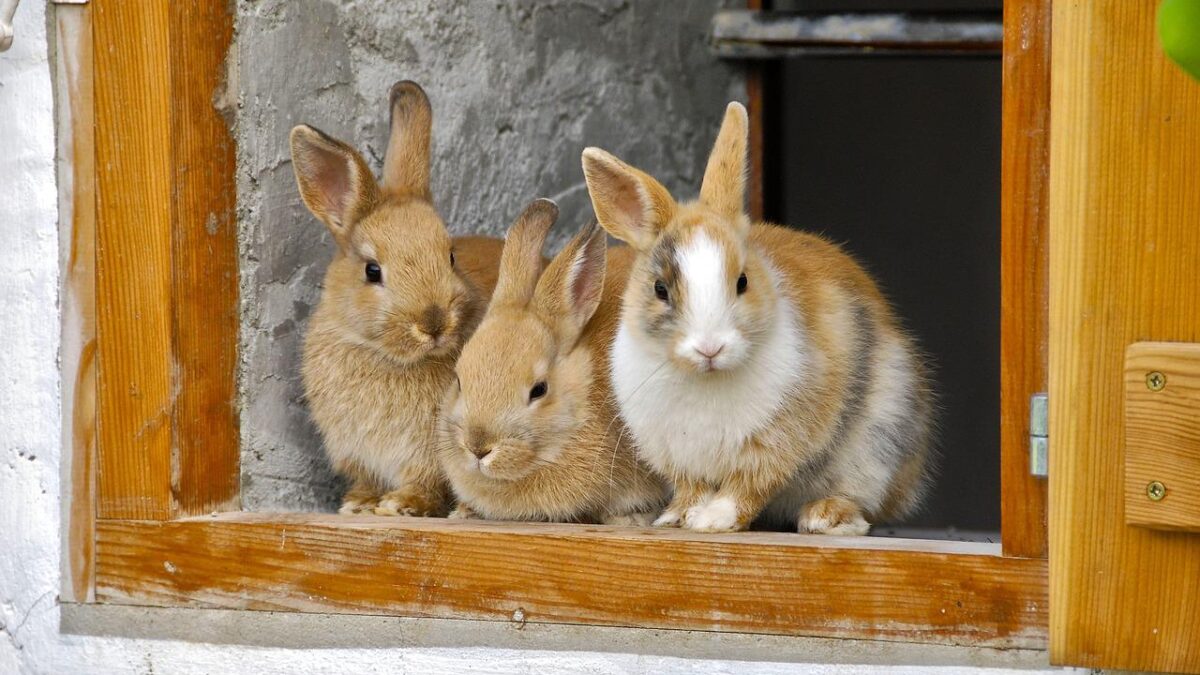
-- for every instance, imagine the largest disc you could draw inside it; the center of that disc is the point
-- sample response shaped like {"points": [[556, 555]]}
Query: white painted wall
{"points": [[30, 448]]}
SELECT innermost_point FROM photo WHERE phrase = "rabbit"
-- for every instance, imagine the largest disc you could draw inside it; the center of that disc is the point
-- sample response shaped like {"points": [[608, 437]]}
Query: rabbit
{"points": [[398, 302], [759, 369], [530, 431]]}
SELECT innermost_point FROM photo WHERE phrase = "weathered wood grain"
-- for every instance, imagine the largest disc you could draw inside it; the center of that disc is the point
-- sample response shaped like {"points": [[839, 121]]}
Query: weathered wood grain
{"points": [[750, 582], [204, 293], [134, 182]]}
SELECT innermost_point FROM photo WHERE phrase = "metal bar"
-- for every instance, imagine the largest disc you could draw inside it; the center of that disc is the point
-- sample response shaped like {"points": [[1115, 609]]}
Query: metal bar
{"points": [[753, 34]]}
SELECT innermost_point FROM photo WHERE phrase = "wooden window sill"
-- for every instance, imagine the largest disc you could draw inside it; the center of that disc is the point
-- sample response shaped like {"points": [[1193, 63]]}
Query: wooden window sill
{"points": [[777, 583]]}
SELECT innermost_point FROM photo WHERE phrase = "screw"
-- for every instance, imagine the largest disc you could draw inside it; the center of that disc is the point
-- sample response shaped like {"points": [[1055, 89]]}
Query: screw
{"points": [[1156, 491], [1155, 381]]}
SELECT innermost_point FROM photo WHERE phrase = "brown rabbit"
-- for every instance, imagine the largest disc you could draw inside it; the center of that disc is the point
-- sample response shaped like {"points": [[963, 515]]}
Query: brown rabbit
{"points": [[531, 431], [399, 300], [759, 368]]}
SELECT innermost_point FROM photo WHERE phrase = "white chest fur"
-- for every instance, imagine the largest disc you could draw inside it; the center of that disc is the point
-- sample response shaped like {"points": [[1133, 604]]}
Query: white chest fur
{"points": [[696, 423]]}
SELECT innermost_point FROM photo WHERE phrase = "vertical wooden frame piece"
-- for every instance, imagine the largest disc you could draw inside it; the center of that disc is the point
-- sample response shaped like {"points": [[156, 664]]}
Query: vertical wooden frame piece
{"points": [[134, 180], [1023, 272], [166, 262], [1124, 194], [77, 214], [206, 452]]}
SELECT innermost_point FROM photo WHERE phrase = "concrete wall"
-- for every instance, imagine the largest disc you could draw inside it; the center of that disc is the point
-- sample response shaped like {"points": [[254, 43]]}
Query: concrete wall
{"points": [[518, 90], [38, 635]]}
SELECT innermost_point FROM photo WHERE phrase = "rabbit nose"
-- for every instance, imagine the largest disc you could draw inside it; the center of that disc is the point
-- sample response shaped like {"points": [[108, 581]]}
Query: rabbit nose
{"points": [[478, 444], [709, 351], [433, 321]]}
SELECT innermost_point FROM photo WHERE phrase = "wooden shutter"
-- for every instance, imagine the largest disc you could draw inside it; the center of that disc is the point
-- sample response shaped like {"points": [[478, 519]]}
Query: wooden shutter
{"points": [[1124, 268]]}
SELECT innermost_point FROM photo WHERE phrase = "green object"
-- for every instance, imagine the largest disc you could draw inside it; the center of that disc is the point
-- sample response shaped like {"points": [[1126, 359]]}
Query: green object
{"points": [[1179, 31]]}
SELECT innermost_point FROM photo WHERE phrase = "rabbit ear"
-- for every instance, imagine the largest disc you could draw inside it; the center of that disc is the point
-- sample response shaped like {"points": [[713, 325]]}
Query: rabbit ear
{"points": [[521, 259], [406, 162], [334, 181], [724, 186], [631, 205], [570, 289]]}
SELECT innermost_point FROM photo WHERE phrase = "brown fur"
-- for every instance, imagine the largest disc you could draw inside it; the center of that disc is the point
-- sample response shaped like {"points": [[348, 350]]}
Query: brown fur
{"points": [[563, 457], [847, 443], [379, 356]]}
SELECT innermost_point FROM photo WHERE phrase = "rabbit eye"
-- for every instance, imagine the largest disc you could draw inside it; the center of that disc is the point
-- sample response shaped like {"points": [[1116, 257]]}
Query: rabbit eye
{"points": [[741, 287], [452, 258], [538, 391], [660, 290], [374, 273]]}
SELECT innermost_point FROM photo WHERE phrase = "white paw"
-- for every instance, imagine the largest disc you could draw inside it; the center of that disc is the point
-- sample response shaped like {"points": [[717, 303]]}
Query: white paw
{"points": [[719, 514], [834, 524], [856, 528], [668, 519], [461, 512]]}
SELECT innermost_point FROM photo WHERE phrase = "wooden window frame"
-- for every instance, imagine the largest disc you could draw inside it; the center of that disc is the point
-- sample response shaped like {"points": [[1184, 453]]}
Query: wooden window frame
{"points": [[152, 505]]}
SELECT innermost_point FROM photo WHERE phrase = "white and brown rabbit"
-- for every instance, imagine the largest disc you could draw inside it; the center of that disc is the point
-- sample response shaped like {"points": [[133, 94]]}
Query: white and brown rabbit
{"points": [[531, 432], [399, 300], [759, 368]]}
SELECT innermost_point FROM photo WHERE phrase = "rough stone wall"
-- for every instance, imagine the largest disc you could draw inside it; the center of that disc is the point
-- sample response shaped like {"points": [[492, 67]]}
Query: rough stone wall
{"points": [[518, 90]]}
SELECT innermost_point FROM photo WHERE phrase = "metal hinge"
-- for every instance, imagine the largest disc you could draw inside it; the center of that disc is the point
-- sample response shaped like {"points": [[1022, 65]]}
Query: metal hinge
{"points": [[1039, 437]]}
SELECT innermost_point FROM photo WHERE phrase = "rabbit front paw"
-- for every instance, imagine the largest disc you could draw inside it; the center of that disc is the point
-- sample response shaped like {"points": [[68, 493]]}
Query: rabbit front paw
{"points": [[669, 518], [352, 504], [833, 515], [406, 503], [719, 514], [687, 495]]}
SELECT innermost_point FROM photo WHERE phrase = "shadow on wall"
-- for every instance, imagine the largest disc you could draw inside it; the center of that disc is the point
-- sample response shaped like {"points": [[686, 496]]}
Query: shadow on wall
{"points": [[518, 90]]}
